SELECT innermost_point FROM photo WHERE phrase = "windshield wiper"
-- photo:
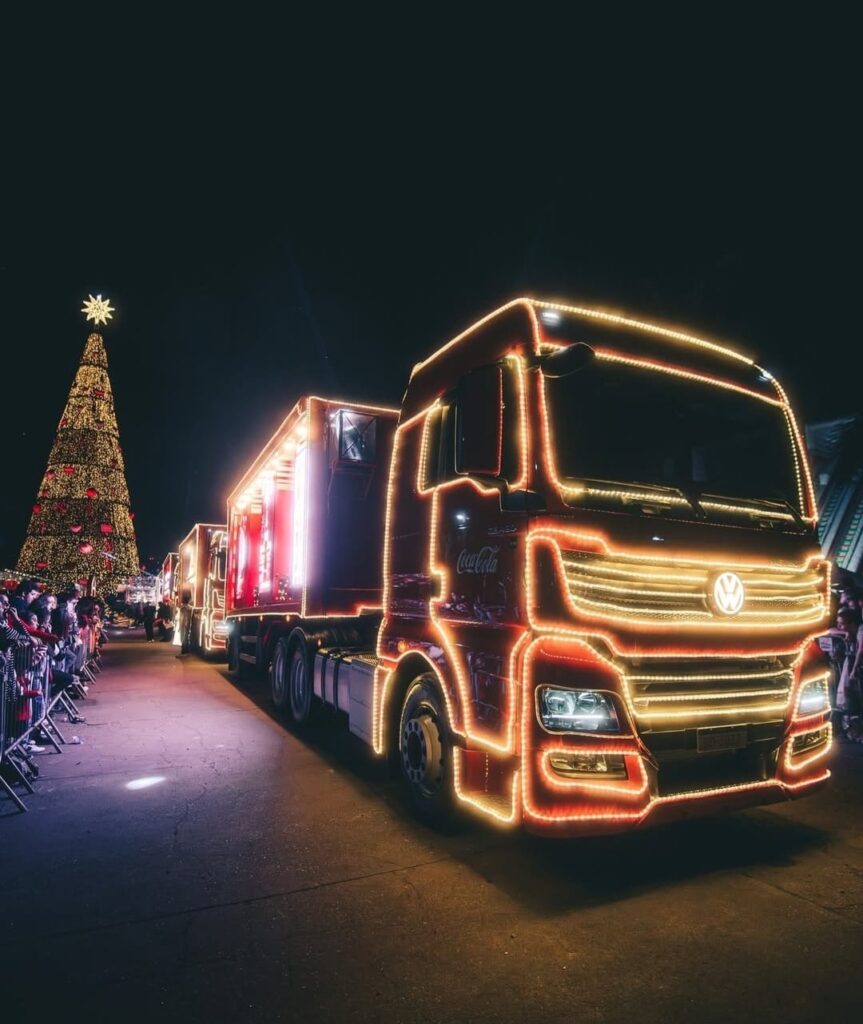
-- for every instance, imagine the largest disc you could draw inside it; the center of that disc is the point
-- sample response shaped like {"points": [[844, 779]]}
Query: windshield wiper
{"points": [[647, 496], [756, 506]]}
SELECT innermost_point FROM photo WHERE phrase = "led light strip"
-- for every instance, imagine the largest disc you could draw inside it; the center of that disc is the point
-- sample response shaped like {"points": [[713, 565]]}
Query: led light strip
{"points": [[611, 356], [554, 536], [587, 606], [677, 595], [598, 570], [486, 806], [676, 698], [758, 709], [641, 325], [651, 497], [708, 677]]}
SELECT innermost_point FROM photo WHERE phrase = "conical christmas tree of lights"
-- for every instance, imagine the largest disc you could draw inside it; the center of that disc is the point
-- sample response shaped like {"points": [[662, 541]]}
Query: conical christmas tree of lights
{"points": [[81, 526]]}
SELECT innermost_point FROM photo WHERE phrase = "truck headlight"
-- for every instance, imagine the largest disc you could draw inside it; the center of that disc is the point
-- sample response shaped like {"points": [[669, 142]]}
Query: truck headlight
{"points": [[813, 697], [576, 710]]}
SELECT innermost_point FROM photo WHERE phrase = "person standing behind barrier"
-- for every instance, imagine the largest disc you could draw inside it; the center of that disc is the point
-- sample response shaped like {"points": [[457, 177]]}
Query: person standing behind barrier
{"points": [[185, 625], [149, 619], [849, 706], [165, 619]]}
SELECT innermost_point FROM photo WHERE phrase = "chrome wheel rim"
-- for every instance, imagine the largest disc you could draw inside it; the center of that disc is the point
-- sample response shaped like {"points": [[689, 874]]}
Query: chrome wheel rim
{"points": [[422, 753]]}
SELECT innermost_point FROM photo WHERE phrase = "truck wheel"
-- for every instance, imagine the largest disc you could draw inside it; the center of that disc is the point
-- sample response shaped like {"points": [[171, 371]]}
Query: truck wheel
{"points": [[279, 674], [426, 752], [300, 681]]}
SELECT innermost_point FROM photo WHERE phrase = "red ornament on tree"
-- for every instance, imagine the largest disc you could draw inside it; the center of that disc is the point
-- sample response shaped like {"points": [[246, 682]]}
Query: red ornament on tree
{"points": [[86, 548], [49, 474], [106, 528], [37, 509], [131, 515], [69, 470], [98, 392], [91, 492], [41, 565], [76, 528]]}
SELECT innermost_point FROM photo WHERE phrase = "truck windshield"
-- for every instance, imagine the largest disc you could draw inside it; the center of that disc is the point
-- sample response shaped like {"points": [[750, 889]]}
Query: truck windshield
{"points": [[614, 422]]}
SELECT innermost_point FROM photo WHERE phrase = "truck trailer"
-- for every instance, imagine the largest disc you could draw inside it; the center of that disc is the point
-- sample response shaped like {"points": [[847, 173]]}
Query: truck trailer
{"points": [[166, 586], [572, 584], [201, 575]]}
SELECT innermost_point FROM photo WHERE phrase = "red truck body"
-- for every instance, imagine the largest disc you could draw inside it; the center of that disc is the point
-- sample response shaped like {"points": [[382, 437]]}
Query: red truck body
{"points": [[597, 573], [201, 574]]}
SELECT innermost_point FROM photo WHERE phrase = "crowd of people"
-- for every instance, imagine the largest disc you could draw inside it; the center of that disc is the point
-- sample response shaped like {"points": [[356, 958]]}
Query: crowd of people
{"points": [[44, 645], [845, 649]]}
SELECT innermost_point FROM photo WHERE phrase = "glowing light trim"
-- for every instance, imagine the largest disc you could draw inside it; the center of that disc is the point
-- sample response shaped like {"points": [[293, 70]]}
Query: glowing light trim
{"points": [[573, 491], [532, 305], [702, 378], [642, 325], [667, 698], [482, 804], [609, 611], [622, 815]]}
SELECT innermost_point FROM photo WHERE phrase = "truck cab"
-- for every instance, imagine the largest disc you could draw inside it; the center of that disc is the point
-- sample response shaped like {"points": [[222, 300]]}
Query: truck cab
{"points": [[572, 584], [201, 575], [601, 577]]}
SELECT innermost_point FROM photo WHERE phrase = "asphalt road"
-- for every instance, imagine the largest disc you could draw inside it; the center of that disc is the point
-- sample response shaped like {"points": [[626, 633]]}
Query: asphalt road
{"points": [[259, 876]]}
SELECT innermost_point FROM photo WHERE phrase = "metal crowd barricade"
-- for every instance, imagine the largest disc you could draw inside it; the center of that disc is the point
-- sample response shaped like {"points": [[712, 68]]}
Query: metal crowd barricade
{"points": [[29, 702]]}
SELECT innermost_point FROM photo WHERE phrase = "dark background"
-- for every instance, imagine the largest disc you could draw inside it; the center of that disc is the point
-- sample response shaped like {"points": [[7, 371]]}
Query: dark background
{"points": [[322, 225]]}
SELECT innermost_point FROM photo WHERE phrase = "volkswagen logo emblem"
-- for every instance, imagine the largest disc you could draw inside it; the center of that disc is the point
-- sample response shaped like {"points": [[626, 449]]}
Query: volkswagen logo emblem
{"points": [[726, 593]]}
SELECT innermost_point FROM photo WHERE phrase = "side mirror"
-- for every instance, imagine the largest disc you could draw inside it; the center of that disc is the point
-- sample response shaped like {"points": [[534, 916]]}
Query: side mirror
{"points": [[565, 361], [479, 426]]}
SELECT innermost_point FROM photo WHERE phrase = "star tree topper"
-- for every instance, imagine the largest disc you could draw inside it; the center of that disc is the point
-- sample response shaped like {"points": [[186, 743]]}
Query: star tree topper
{"points": [[98, 310]]}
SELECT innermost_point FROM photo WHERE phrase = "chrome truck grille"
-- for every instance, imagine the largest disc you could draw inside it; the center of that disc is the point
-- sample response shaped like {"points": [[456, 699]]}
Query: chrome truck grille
{"points": [[643, 590], [668, 692]]}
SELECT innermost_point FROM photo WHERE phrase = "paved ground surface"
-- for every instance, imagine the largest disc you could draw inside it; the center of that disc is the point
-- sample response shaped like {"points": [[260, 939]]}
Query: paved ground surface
{"points": [[264, 877]]}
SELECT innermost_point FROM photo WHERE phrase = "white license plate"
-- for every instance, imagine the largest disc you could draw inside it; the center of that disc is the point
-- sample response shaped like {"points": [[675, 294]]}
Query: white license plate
{"points": [[721, 739]]}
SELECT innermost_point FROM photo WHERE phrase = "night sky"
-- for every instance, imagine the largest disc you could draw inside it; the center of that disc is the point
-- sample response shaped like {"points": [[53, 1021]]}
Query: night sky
{"points": [[327, 239]]}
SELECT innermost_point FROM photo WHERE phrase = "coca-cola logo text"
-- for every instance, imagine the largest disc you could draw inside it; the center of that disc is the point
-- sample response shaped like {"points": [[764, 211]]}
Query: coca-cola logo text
{"points": [[484, 560]]}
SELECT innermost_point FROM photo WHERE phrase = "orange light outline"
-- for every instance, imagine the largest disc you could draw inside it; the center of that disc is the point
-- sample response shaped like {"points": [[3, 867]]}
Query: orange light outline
{"points": [[532, 812]]}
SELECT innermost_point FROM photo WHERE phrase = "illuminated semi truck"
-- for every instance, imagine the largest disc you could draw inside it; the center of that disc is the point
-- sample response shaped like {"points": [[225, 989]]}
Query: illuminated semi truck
{"points": [[201, 574], [574, 586], [166, 580]]}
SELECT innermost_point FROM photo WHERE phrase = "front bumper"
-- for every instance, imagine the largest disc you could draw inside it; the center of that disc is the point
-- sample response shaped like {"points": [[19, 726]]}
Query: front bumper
{"points": [[667, 777]]}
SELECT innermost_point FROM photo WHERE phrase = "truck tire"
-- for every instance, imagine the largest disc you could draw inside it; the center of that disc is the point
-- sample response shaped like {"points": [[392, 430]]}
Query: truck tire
{"points": [[426, 752], [279, 672], [300, 679]]}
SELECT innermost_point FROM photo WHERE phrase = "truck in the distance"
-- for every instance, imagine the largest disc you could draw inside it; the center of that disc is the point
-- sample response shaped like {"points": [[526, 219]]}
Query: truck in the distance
{"points": [[200, 574], [576, 587], [166, 580]]}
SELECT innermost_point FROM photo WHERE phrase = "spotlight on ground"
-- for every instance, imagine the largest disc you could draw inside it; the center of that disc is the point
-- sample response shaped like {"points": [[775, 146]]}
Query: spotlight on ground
{"points": [[146, 782]]}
